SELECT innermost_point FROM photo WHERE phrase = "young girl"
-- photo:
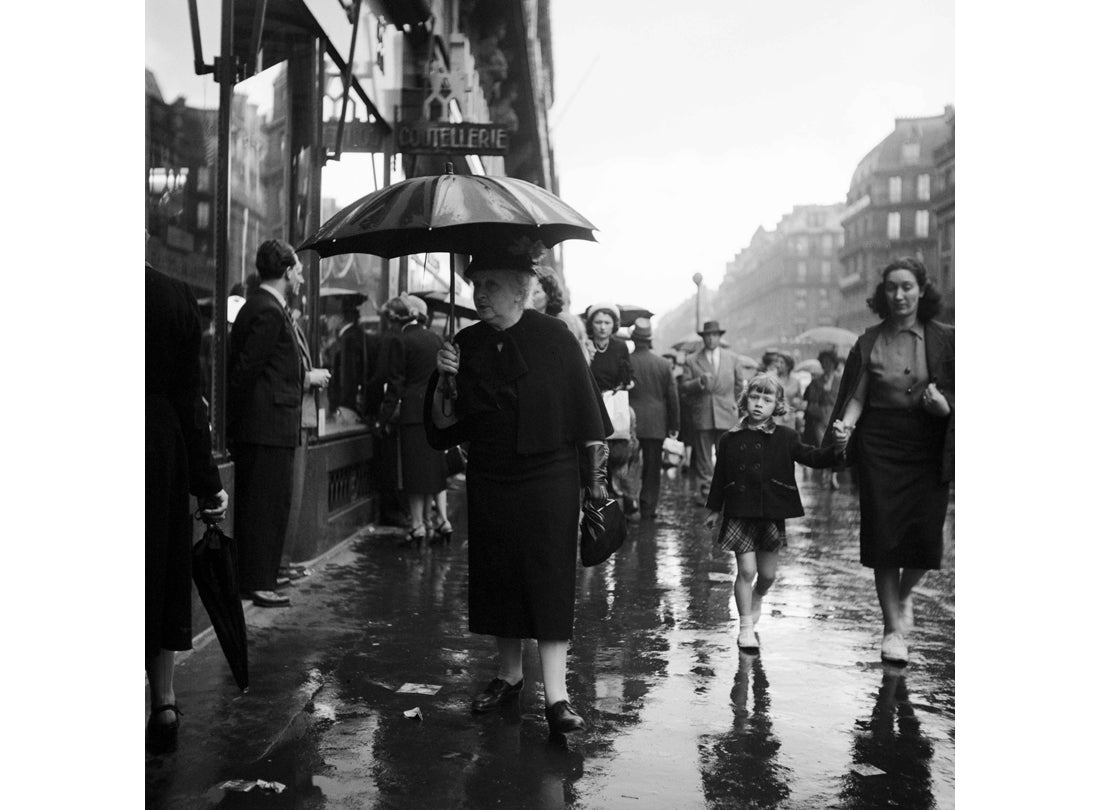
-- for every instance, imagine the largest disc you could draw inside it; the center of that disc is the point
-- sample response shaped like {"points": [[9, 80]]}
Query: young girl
{"points": [[753, 489]]}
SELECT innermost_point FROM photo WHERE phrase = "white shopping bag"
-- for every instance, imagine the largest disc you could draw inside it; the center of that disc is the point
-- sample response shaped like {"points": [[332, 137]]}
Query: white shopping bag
{"points": [[672, 452], [618, 408]]}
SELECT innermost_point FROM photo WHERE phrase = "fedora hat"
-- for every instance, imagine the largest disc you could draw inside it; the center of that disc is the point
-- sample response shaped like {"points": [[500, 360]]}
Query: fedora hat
{"points": [[710, 327], [642, 330]]}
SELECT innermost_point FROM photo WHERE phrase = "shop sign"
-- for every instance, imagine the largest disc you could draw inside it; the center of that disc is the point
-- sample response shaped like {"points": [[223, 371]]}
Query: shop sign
{"points": [[359, 136], [443, 138]]}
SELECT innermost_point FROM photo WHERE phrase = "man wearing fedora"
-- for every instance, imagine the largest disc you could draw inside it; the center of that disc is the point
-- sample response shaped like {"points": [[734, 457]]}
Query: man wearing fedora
{"points": [[656, 404], [711, 383]]}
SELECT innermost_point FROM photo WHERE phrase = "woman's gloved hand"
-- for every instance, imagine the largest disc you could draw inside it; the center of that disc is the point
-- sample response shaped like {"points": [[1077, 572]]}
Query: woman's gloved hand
{"points": [[594, 471]]}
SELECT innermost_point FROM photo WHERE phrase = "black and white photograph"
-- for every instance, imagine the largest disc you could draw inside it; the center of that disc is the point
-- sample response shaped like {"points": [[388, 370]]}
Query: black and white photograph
{"points": [[551, 405]]}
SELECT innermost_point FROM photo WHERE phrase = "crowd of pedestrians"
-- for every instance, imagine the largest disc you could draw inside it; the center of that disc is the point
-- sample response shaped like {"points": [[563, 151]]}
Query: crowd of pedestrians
{"points": [[553, 412]]}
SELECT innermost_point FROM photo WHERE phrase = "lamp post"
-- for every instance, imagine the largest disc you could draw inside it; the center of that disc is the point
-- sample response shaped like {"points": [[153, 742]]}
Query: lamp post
{"points": [[698, 279]]}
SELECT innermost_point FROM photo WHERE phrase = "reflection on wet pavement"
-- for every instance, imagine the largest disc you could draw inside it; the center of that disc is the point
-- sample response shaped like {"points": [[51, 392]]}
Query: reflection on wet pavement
{"points": [[678, 717]]}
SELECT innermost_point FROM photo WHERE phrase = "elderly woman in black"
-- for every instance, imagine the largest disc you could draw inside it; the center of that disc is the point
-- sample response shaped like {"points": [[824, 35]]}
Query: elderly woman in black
{"points": [[528, 407], [898, 394]]}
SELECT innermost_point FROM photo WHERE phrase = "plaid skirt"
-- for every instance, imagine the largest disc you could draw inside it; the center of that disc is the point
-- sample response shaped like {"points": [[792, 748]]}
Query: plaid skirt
{"points": [[742, 535]]}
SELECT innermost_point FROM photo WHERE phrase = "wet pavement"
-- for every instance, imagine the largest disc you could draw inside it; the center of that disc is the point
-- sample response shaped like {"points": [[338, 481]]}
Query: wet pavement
{"points": [[678, 718]]}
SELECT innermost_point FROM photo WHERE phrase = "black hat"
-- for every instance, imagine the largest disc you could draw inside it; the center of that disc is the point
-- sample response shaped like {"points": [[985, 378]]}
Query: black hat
{"points": [[711, 327], [642, 330]]}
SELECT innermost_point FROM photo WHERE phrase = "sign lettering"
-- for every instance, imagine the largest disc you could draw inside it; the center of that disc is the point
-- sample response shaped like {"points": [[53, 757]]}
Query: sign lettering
{"points": [[442, 138]]}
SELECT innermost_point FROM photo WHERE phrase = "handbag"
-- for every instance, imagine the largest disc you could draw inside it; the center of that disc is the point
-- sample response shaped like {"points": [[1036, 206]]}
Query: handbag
{"points": [[456, 460], [672, 452], [603, 530], [617, 404]]}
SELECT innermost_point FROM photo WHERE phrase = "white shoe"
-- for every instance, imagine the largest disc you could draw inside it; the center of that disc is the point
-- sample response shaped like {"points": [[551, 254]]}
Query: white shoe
{"points": [[894, 649], [906, 615], [748, 640]]}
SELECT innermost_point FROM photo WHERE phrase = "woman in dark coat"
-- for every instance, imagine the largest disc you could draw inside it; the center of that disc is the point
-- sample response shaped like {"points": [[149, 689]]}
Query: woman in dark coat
{"points": [[178, 463], [529, 408], [613, 372], [898, 394], [423, 468]]}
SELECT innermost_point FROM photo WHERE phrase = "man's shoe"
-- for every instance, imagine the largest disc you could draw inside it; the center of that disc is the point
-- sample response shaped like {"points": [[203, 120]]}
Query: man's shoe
{"points": [[563, 718], [498, 691], [270, 599], [894, 649]]}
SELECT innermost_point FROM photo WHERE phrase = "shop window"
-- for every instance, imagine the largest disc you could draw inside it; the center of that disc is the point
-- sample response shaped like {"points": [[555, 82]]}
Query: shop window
{"points": [[895, 189], [893, 225], [924, 187], [921, 225]]}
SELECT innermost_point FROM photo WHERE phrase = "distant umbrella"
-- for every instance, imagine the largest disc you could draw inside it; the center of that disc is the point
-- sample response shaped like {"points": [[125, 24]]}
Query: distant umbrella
{"points": [[828, 334], [630, 313], [811, 365]]}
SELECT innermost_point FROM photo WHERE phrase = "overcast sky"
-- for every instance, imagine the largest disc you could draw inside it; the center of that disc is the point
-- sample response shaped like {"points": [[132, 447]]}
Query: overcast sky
{"points": [[679, 128]]}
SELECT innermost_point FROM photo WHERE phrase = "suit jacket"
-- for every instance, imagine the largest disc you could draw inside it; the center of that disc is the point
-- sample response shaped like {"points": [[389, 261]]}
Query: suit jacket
{"points": [[654, 397], [411, 363], [716, 407], [265, 376], [939, 348], [347, 369], [754, 473]]}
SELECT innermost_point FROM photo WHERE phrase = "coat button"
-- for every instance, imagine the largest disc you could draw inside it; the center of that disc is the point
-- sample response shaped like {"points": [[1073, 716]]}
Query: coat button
{"points": [[909, 390], [758, 445], [741, 487], [907, 371], [741, 467], [756, 466]]}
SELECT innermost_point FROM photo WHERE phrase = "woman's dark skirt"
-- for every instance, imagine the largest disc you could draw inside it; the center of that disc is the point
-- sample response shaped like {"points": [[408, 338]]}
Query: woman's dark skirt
{"points": [[423, 469], [902, 499], [523, 518], [168, 530]]}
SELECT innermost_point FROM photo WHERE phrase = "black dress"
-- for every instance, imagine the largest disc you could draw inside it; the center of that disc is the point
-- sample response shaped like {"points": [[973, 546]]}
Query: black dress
{"points": [[526, 400], [178, 461]]}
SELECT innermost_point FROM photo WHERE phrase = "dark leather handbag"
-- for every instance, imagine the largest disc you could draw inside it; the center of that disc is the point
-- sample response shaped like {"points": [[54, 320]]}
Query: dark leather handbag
{"points": [[603, 530], [456, 460]]}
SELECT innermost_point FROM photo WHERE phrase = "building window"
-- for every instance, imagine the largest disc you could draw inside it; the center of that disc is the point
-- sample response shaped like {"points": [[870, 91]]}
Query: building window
{"points": [[202, 215], [922, 224], [802, 272], [823, 294], [801, 246], [910, 153], [827, 243], [893, 225], [895, 189], [924, 187], [826, 269]]}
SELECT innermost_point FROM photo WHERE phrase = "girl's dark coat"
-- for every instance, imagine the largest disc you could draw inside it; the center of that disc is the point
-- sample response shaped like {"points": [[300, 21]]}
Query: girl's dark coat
{"points": [[754, 474]]}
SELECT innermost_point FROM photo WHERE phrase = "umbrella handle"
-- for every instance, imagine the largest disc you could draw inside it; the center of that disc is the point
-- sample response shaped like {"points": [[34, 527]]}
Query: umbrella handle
{"points": [[450, 393]]}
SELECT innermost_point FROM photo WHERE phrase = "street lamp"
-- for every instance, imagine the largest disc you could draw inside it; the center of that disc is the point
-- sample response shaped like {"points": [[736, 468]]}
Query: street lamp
{"points": [[698, 279]]}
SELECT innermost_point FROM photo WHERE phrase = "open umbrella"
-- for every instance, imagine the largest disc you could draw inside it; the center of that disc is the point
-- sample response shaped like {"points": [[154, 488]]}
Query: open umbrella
{"points": [[629, 313], [692, 343], [450, 213], [437, 301], [810, 364], [214, 570], [828, 334]]}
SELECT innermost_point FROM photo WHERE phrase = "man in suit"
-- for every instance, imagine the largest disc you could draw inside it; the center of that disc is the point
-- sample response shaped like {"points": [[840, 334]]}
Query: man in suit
{"points": [[347, 359], [712, 384], [656, 405], [266, 379]]}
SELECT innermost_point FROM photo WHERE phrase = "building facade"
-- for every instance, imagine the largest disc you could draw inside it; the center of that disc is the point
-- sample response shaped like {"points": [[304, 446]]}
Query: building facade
{"points": [[890, 212], [784, 281], [263, 118], [943, 205]]}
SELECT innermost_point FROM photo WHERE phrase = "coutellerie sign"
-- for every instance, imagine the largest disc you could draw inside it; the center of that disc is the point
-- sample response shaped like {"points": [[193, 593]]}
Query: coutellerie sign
{"points": [[443, 138]]}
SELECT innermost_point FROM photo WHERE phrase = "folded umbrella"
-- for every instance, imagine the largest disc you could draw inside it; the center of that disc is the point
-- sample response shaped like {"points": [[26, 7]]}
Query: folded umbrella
{"points": [[214, 570]]}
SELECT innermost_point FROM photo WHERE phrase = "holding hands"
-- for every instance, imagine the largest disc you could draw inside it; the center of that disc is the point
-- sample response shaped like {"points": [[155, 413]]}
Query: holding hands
{"points": [[711, 520], [842, 431], [934, 402]]}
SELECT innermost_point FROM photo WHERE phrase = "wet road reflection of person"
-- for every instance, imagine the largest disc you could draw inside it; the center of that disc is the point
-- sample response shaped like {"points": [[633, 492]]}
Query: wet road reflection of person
{"points": [[892, 741], [742, 762]]}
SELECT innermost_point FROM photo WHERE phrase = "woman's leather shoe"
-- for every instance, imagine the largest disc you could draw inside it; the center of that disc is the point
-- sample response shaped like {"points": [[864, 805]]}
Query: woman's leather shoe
{"points": [[563, 718], [162, 738], [497, 692]]}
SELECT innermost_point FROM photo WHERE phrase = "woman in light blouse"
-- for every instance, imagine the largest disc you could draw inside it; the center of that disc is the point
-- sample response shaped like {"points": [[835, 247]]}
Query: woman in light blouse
{"points": [[898, 396]]}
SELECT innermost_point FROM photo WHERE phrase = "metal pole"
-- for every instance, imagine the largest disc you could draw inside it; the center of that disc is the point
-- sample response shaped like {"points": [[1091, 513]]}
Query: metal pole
{"points": [[698, 279], [225, 72]]}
